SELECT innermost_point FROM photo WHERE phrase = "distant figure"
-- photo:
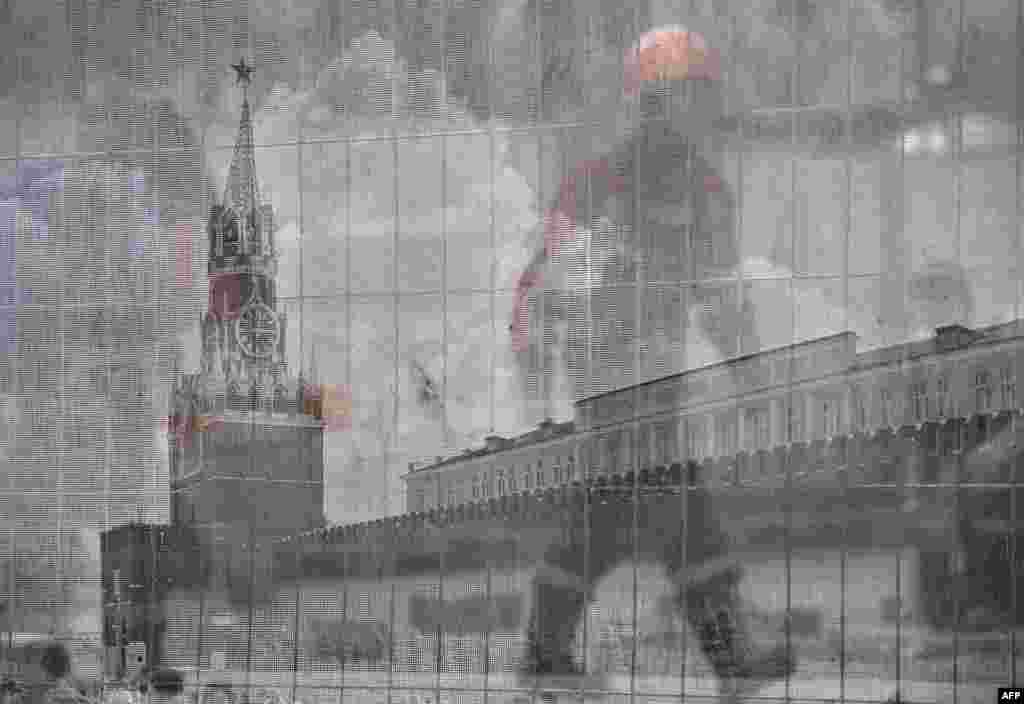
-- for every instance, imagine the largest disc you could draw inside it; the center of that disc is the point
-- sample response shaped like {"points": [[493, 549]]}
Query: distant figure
{"points": [[11, 692], [56, 663], [167, 686]]}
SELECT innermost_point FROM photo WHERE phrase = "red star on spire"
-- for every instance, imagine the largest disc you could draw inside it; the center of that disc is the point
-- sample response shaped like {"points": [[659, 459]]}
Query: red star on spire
{"points": [[244, 72]]}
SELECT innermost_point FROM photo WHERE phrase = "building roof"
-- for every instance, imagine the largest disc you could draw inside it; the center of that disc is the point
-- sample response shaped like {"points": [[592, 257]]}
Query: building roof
{"points": [[732, 361], [946, 339], [495, 444]]}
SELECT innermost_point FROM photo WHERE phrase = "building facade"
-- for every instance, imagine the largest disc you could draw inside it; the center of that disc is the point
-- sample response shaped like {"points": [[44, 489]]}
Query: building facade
{"points": [[804, 393], [541, 458]]}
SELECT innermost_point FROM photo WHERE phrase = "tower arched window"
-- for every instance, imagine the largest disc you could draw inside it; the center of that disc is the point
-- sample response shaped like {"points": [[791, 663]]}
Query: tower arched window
{"points": [[255, 397], [235, 401], [281, 399]]}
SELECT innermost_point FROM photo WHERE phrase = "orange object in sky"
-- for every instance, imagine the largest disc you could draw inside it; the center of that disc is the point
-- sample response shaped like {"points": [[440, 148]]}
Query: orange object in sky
{"points": [[183, 427], [670, 54], [205, 423], [331, 403]]}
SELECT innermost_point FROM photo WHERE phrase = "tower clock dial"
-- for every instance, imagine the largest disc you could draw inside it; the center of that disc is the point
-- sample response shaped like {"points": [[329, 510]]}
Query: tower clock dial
{"points": [[257, 330]]}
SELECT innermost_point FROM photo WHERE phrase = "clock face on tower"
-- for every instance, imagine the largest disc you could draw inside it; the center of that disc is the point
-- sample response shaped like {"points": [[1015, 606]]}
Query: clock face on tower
{"points": [[257, 330]]}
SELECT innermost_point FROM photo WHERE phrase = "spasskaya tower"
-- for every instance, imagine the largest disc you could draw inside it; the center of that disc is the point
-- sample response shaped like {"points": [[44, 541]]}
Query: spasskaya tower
{"points": [[246, 437]]}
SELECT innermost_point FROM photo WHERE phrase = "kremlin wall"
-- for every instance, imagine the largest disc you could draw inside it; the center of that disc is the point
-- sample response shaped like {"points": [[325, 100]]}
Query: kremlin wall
{"points": [[872, 539]]}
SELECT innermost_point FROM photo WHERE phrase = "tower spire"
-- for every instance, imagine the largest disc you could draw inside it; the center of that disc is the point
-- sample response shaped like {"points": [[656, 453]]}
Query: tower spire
{"points": [[242, 193]]}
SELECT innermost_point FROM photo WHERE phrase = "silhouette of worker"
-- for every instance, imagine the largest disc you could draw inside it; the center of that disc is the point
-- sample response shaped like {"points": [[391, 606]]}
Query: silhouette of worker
{"points": [[664, 208], [56, 663]]}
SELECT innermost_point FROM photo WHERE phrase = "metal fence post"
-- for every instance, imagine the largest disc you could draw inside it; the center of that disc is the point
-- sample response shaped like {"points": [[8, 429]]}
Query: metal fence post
{"points": [[298, 626], [251, 614]]}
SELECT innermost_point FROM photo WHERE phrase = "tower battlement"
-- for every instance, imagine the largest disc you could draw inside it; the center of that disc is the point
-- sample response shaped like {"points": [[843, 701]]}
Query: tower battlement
{"points": [[286, 400]]}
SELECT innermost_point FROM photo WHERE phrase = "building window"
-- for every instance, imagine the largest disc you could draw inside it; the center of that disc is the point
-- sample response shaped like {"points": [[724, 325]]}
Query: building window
{"points": [[615, 446], [942, 398], [476, 487], [512, 481], [860, 411], [540, 474], [501, 482], [983, 391], [725, 434], [570, 470], [1008, 385], [830, 419], [794, 422], [919, 400], [527, 481], [886, 406], [663, 443], [645, 444], [756, 428], [695, 439]]}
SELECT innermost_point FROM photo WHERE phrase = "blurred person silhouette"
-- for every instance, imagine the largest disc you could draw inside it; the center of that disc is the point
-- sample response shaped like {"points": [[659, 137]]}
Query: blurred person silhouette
{"points": [[61, 687], [11, 691], [713, 604], [99, 217], [644, 210], [978, 560], [103, 273], [166, 686], [940, 295]]}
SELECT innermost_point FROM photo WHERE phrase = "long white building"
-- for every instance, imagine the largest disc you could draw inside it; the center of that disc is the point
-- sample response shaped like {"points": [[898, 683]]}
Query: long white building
{"points": [[810, 391]]}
